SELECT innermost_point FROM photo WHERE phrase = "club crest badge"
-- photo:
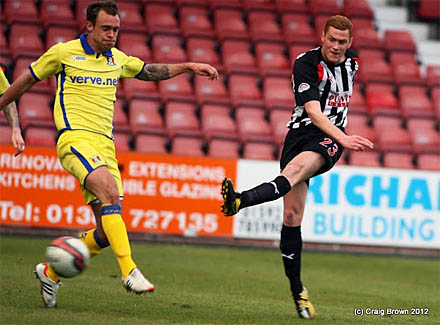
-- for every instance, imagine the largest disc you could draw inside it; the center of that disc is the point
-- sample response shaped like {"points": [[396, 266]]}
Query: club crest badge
{"points": [[303, 87], [110, 60], [95, 159]]}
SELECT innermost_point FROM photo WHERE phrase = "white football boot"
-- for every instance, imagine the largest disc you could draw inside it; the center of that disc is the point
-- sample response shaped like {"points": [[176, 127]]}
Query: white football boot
{"points": [[49, 288], [137, 283]]}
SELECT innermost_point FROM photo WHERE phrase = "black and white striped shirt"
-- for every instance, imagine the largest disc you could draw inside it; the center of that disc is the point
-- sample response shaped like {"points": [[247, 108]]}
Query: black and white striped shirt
{"points": [[331, 85]]}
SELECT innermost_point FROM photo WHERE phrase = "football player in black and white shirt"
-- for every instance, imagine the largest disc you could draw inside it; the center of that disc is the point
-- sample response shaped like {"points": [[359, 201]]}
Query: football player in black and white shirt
{"points": [[323, 84]]}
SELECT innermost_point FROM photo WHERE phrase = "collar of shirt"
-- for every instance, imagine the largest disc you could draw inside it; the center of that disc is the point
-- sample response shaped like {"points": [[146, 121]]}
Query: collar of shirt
{"points": [[88, 49]]}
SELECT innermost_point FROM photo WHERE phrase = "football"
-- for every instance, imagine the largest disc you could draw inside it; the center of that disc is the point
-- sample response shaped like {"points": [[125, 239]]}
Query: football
{"points": [[68, 256]]}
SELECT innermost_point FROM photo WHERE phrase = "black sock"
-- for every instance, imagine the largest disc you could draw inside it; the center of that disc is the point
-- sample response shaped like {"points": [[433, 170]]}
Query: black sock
{"points": [[265, 192], [291, 247]]}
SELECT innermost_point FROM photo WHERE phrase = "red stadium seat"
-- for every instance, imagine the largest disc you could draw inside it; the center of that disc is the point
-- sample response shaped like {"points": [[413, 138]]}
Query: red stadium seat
{"points": [[271, 60], [433, 75], [144, 114], [394, 139], [278, 93], [24, 40], [168, 49], [428, 161], [120, 120], [202, 50], [223, 147], [243, 90], [325, 7], [291, 6], [21, 11], [131, 18], [5, 134], [134, 44], [366, 37], [177, 88], [358, 8], [257, 149], [374, 69], [297, 49], [237, 57], [181, 116], [225, 4], [435, 94], [357, 120], [278, 121], [151, 141], [34, 109], [297, 29], [361, 130], [194, 21], [381, 122], [229, 24], [414, 102], [405, 68], [55, 12], [258, 5], [357, 102], [399, 40], [187, 145], [80, 14], [429, 9], [425, 140], [217, 122], [398, 160], [370, 54], [59, 34], [159, 17], [364, 158], [40, 136], [209, 91], [381, 100], [251, 124], [362, 22], [263, 26], [134, 88], [122, 141]]}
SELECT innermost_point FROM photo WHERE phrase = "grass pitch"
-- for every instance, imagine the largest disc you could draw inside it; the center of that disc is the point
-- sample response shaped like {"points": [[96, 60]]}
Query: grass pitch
{"points": [[211, 285]]}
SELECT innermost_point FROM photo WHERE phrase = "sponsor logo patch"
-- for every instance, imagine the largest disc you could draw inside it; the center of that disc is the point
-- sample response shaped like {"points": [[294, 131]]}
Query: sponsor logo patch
{"points": [[303, 87], [78, 58]]}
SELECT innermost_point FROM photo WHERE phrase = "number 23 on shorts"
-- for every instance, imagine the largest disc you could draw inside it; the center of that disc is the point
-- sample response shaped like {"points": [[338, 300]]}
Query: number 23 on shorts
{"points": [[332, 147]]}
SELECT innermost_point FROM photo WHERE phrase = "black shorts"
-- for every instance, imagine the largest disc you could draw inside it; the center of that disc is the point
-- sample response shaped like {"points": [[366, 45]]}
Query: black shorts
{"points": [[311, 138]]}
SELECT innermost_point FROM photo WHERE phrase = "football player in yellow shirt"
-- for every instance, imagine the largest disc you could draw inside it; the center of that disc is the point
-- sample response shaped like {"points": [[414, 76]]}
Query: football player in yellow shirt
{"points": [[10, 112], [87, 71]]}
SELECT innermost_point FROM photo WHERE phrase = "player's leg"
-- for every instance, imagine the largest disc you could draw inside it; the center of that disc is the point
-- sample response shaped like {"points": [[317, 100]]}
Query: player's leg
{"points": [[291, 247], [95, 239]]}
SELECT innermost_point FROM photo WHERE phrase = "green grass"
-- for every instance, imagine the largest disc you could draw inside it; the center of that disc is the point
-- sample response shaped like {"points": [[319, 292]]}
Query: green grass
{"points": [[211, 285]]}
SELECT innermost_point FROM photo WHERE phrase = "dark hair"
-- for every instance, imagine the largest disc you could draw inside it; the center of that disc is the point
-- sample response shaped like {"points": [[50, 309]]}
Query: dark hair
{"points": [[108, 6], [339, 22]]}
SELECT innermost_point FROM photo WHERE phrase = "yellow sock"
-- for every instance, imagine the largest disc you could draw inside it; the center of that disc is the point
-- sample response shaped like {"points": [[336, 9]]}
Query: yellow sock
{"points": [[51, 273], [93, 242], [114, 228]]}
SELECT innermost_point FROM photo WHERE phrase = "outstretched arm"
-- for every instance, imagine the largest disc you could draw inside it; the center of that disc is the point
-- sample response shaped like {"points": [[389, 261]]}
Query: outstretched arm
{"points": [[159, 71], [10, 111]]}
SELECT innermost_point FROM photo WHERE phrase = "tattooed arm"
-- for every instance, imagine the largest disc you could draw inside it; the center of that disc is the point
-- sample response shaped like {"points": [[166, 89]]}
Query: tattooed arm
{"points": [[10, 111], [159, 71]]}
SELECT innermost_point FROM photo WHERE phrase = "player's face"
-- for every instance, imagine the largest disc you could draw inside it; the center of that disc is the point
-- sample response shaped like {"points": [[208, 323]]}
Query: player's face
{"points": [[334, 44], [104, 34]]}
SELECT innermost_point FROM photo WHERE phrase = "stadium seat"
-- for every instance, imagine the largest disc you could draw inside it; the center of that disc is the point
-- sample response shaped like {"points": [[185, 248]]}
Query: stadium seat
{"points": [[399, 40], [59, 34], [278, 121], [5, 134], [252, 124], [195, 21], [405, 69], [297, 49], [151, 141], [80, 14], [325, 7], [177, 88], [357, 102], [187, 144], [225, 4], [271, 60], [381, 122], [120, 121], [55, 12], [429, 9], [366, 37], [122, 141], [297, 29], [134, 44], [362, 22], [181, 116], [144, 114], [375, 69], [223, 147], [24, 40], [370, 54], [398, 160], [277, 92], [40, 136], [414, 102], [131, 18], [202, 50], [229, 24], [428, 161], [34, 109], [168, 49], [189, 3], [237, 57], [291, 6], [134, 88], [243, 90], [362, 130], [263, 26], [250, 6], [433, 75], [358, 8], [393, 140], [217, 122], [364, 158], [425, 140], [23, 11], [381, 100], [258, 149], [356, 120], [209, 91], [160, 18]]}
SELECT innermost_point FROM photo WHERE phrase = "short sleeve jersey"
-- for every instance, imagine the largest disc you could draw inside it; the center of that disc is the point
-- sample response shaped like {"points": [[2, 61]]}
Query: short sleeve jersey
{"points": [[86, 83], [4, 84], [330, 84]]}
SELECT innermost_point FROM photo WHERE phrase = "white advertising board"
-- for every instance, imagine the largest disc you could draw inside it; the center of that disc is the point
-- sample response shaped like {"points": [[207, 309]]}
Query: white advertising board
{"points": [[350, 205]]}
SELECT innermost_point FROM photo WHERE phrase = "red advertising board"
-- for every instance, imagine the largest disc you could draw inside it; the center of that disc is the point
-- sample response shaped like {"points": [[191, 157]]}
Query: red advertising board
{"points": [[162, 193]]}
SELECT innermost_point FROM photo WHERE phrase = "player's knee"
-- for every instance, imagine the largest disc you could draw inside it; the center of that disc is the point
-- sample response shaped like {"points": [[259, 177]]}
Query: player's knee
{"points": [[293, 216]]}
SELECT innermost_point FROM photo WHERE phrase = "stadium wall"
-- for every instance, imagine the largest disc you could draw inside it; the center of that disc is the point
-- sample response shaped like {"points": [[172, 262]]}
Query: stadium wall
{"points": [[178, 198]]}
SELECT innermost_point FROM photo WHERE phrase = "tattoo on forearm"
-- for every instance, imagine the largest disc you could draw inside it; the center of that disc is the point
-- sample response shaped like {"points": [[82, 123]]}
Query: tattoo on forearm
{"points": [[12, 117], [154, 72]]}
